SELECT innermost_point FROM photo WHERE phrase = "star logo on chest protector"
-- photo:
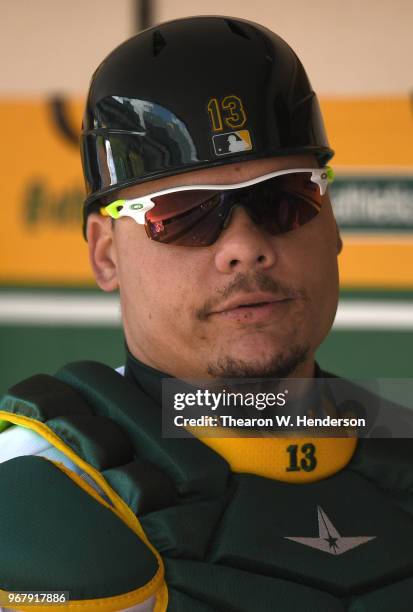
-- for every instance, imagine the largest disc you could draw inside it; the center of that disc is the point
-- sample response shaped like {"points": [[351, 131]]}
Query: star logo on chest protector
{"points": [[329, 540]]}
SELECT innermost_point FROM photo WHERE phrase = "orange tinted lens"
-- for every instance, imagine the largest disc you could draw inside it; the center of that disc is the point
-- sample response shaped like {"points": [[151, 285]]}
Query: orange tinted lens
{"points": [[196, 217], [174, 204], [198, 226], [284, 203]]}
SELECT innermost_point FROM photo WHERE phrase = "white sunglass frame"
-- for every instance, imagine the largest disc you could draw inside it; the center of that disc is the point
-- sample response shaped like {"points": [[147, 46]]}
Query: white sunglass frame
{"points": [[136, 208]]}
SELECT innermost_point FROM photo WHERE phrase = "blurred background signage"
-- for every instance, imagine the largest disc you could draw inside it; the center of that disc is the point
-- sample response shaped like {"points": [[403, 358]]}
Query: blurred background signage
{"points": [[372, 194]]}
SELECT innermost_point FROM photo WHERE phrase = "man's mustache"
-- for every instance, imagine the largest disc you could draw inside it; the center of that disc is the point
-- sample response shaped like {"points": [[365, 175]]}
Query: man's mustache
{"points": [[247, 283]]}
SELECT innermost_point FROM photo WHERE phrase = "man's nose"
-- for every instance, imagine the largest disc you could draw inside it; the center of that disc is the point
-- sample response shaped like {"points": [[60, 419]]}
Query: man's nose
{"points": [[243, 245]]}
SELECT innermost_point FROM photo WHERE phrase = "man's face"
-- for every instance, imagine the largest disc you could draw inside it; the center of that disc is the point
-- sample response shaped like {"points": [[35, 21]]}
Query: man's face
{"points": [[251, 304]]}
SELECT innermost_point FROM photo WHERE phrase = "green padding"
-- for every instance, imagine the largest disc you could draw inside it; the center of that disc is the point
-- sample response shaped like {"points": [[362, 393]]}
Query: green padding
{"points": [[393, 598], [374, 456], [42, 397], [183, 531], [4, 425], [179, 602], [252, 533], [230, 590], [98, 440], [142, 486], [54, 536], [184, 460]]}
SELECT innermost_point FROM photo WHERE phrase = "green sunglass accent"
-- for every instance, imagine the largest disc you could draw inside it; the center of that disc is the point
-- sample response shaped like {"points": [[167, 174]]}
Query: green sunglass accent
{"points": [[113, 209], [330, 174]]}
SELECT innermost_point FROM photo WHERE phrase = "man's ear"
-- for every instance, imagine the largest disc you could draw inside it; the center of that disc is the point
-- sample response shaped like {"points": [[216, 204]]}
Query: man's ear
{"points": [[102, 252], [339, 241]]}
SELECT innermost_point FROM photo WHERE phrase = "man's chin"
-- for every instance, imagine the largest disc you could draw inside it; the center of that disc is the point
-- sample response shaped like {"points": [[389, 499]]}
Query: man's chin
{"points": [[277, 365]]}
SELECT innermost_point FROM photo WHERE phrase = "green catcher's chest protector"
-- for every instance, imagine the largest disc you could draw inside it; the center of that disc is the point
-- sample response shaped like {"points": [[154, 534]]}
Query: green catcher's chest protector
{"points": [[225, 541]]}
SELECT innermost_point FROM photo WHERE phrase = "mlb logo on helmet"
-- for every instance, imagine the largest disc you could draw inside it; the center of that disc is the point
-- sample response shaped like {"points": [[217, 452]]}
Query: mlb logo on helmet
{"points": [[232, 142]]}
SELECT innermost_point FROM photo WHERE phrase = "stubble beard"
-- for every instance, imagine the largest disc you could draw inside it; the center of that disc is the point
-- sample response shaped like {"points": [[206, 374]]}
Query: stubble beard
{"points": [[287, 359], [282, 365]]}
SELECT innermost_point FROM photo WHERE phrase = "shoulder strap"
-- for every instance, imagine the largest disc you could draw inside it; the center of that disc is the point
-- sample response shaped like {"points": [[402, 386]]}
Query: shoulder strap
{"points": [[116, 428], [195, 469]]}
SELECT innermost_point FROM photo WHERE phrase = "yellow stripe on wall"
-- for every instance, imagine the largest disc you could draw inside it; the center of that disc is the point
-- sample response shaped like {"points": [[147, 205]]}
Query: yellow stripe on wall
{"points": [[40, 245], [377, 262], [37, 247], [370, 131]]}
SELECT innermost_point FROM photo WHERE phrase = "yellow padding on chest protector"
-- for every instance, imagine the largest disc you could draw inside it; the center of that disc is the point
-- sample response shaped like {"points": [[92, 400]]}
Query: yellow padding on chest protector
{"points": [[295, 460], [157, 585]]}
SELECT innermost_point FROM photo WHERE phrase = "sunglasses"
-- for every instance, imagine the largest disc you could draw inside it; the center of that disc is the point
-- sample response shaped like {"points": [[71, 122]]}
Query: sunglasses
{"points": [[195, 215]]}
